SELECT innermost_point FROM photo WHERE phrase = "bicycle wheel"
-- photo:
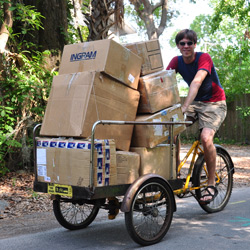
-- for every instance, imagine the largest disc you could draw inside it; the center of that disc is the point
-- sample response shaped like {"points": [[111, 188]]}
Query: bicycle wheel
{"points": [[74, 215], [151, 212], [224, 180]]}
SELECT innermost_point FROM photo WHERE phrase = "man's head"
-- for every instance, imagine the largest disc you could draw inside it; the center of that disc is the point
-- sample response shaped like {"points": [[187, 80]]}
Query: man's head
{"points": [[186, 33], [186, 42]]}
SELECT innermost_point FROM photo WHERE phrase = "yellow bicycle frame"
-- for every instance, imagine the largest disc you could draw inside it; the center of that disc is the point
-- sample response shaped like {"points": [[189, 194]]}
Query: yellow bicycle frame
{"points": [[196, 150]]}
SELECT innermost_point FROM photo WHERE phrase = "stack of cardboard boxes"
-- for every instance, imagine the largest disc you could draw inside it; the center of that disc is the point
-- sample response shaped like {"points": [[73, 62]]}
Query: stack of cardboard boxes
{"points": [[159, 101], [99, 81]]}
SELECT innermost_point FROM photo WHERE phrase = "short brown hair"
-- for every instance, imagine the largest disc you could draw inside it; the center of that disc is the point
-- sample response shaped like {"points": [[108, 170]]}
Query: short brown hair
{"points": [[186, 33]]}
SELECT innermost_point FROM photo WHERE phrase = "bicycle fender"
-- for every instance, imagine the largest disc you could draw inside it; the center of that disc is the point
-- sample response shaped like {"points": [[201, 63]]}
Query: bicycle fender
{"points": [[219, 147], [133, 188]]}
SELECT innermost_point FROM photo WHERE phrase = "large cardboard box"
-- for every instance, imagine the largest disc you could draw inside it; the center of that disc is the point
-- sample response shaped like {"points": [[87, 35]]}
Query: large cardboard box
{"points": [[150, 52], [152, 135], [157, 161], [158, 91], [67, 162], [105, 56], [128, 164], [78, 100]]}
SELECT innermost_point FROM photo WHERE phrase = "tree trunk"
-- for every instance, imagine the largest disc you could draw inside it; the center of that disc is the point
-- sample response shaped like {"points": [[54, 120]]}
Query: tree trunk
{"points": [[98, 20], [53, 36], [145, 10], [7, 23]]}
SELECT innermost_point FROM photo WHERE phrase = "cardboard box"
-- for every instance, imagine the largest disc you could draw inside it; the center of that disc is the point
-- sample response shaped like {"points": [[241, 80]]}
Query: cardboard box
{"points": [[78, 100], [150, 52], [105, 56], [67, 162], [158, 91], [152, 135], [157, 161], [128, 164]]}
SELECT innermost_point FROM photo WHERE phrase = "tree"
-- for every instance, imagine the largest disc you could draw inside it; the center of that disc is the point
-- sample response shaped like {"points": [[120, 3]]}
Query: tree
{"points": [[6, 25], [98, 17], [146, 11], [236, 9], [153, 16]]}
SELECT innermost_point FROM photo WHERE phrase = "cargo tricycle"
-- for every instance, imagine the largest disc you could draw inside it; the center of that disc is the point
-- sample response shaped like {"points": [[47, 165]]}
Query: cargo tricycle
{"points": [[148, 202]]}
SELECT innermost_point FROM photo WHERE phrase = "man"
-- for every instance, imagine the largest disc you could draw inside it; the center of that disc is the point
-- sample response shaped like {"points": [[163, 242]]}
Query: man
{"points": [[205, 102]]}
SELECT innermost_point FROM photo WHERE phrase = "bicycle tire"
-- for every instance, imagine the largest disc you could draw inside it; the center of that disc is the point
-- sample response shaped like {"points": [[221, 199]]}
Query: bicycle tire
{"points": [[225, 169], [151, 212], [73, 215]]}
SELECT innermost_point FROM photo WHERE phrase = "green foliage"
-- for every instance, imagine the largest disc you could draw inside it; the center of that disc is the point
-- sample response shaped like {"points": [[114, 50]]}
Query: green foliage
{"points": [[217, 140], [235, 9], [76, 33], [183, 91], [131, 12], [244, 112], [24, 91], [220, 141], [30, 18], [35, 195], [24, 84], [27, 19]]}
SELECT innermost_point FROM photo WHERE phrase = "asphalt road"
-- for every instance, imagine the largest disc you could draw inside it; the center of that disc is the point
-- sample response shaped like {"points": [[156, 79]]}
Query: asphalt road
{"points": [[191, 228]]}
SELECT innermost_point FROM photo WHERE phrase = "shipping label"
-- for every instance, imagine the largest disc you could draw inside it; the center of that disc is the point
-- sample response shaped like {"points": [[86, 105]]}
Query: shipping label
{"points": [[158, 129]]}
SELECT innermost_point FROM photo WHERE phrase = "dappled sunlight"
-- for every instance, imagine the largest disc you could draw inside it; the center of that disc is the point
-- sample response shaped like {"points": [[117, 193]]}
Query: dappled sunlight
{"points": [[245, 160], [241, 229], [240, 156]]}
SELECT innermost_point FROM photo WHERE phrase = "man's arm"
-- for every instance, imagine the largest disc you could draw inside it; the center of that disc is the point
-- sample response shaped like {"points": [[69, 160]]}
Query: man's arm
{"points": [[193, 89]]}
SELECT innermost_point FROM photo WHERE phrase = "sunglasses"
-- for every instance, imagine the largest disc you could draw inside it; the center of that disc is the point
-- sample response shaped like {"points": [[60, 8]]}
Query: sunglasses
{"points": [[188, 43]]}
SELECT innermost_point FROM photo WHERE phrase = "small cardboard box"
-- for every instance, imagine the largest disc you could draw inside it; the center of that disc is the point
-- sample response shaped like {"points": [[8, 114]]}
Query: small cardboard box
{"points": [[128, 164], [158, 91], [150, 52], [78, 100], [157, 161], [67, 162], [105, 56], [152, 135]]}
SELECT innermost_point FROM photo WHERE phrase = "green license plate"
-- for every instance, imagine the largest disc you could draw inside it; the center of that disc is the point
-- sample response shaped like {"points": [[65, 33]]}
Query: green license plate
{"points": [[59, 189]]}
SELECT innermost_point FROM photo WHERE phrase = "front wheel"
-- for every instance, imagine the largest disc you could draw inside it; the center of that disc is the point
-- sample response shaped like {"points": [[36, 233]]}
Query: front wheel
{"points": [[223, 178], [74, 215], [151, 212]]}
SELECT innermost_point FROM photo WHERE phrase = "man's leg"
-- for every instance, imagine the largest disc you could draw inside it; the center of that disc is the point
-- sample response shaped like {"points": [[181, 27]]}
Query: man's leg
{"points": [[207, 136]]}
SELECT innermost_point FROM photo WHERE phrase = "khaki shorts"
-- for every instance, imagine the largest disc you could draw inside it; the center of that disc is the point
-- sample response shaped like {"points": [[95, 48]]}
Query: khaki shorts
{"points": [[209, 114]]}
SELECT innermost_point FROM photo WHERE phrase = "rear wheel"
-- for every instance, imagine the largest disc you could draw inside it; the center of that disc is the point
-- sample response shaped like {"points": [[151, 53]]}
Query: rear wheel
{"points": [[151, 212], [74, 215], [224, 180]]}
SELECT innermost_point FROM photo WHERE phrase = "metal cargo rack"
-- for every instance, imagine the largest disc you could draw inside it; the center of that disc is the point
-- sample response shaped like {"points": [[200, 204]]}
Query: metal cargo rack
{"points": [[92, 192], [150, 195]]}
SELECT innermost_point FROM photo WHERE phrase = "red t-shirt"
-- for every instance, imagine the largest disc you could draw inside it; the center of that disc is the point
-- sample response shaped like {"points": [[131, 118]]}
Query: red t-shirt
{"points": [[210, 90]]}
